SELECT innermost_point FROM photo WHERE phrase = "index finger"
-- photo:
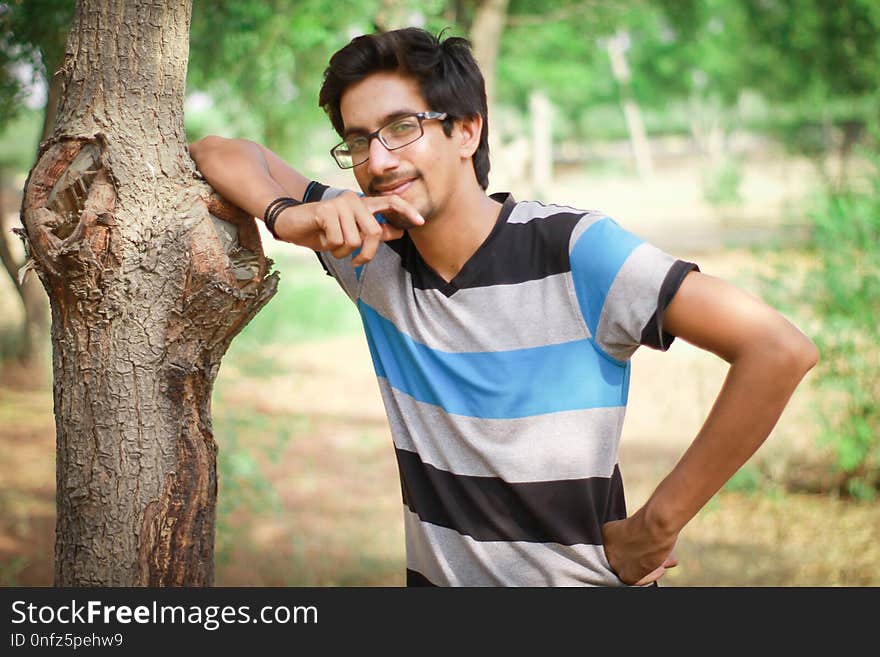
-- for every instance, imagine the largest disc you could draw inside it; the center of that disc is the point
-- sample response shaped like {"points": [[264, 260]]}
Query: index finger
{"points": [[400, 207]]}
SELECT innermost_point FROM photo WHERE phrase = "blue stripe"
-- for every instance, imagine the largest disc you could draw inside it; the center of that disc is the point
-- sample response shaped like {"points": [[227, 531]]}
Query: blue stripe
{"points": [[596, 259], [503, 384]]}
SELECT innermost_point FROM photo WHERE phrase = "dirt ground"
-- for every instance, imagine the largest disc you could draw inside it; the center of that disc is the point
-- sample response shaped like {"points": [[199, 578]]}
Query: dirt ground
{"points": [[323, 443]]}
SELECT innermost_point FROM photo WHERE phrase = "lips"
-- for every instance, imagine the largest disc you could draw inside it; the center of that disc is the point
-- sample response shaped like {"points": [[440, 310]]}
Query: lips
{"points": [[397, 187]]}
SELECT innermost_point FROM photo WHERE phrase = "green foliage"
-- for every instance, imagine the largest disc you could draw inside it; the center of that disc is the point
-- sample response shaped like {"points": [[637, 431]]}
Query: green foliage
{"points": [[18, 140], [721, 184], [843, 290], [749, 479], [33, 33], [10, 569], [242, 483], [262, 63]]}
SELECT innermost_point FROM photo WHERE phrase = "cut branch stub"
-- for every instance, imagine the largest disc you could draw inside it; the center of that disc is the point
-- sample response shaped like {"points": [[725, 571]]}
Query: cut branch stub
{"points": [[241, 240]]}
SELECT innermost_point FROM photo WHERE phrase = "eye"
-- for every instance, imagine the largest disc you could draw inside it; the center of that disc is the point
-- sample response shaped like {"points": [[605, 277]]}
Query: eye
{"points": [[403, 126], [357, 144]]}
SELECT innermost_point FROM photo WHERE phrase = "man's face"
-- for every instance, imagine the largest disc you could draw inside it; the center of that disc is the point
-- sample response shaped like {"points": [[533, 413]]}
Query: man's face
{"points": [[423, 172]]}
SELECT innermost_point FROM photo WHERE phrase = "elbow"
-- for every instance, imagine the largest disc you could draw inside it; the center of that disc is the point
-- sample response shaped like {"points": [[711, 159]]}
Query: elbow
{"points": [[797, 353], [199, 147]]}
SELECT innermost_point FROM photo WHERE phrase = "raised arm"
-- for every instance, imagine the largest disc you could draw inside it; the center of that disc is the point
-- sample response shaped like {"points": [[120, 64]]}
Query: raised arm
{"points": [[251, 176], [768, 356], [245, 173]]}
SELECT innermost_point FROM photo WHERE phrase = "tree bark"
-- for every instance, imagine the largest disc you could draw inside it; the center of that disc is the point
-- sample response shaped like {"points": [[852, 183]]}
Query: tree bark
{"points": [[149, 278], [485, 36]]}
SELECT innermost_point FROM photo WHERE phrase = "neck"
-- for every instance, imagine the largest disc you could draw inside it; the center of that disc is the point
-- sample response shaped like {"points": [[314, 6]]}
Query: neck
{"points": [[455, 232]]}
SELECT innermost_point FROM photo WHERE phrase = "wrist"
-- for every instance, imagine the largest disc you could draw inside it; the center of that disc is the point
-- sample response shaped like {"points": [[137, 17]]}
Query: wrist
{"points": [[659, 519], [289, 224], [274, 211]]}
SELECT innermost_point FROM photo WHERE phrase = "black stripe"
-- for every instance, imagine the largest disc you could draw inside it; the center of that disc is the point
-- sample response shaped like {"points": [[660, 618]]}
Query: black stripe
{"points": [[567, 512], [415, 578], [652, 336], [314, 192], [513, 253]]}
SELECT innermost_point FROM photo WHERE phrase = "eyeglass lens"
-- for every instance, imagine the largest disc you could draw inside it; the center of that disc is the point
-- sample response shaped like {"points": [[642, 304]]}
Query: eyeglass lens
{"points": [[396, 134]]}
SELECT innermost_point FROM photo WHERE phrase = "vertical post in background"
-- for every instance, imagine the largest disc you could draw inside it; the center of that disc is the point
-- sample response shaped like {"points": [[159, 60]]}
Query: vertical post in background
{"points": [[617, 47], [541, 113]]}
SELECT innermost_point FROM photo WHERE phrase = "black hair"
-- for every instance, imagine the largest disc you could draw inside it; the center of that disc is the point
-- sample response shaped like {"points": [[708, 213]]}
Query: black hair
{"points": [[445, 69]]}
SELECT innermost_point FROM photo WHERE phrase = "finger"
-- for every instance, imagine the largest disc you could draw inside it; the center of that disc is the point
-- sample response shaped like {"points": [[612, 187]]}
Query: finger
{"points": [[653, 576], [372, 234], [398, 205], [390, 232], [671, 561], [331, 234], [348, 223]]}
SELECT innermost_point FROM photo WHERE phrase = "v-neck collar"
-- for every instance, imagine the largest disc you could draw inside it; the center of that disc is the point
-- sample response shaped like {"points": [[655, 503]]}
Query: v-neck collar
{"points": [[474, 265]]}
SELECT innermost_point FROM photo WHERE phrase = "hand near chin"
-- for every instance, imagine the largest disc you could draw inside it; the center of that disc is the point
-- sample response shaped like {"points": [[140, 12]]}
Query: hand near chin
{"points": [[348, 222], [638, 554]]}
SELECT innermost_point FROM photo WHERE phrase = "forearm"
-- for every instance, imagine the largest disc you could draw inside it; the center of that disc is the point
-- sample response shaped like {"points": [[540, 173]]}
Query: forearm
{"points": [[758, 386], [238, 170]]}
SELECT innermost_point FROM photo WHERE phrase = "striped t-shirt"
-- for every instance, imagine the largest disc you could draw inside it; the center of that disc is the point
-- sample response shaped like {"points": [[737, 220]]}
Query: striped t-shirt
{"points": [[506, 387]]}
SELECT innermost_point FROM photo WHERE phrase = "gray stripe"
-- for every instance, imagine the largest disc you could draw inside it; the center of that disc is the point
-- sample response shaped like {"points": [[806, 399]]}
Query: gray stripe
{"points": [[547, 310], [447, 558], [587, 221], [525, 211], [632, 299], [565, 445]]}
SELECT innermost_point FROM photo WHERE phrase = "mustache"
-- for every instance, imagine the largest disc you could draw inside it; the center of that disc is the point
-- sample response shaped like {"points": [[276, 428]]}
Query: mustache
{"points": [[391, 181]]}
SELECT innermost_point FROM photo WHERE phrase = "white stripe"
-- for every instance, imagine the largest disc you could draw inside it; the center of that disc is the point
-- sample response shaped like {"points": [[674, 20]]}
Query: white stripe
{"points": [[448, 558], [525, 211], [520, 316], [565, 445]]}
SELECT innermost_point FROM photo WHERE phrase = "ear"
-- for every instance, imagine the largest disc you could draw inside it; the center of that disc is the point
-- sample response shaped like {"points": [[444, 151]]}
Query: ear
{"points": [[469, 130]]}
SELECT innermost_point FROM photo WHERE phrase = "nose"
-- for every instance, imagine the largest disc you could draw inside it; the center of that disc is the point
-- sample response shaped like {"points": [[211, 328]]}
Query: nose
{"points": [[381, 159]]}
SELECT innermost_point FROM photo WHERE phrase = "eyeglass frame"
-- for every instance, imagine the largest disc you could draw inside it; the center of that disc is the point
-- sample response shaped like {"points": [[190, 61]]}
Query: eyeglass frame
{"points": [[421, 116]]}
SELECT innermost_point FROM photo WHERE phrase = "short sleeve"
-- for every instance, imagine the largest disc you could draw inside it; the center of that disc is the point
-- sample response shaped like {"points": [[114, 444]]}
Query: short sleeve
{"points": [[345, 273], [623, 286]]}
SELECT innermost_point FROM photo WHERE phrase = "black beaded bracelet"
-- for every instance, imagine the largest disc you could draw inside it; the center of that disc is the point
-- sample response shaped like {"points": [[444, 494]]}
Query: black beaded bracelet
{"points": [[275, 208]]}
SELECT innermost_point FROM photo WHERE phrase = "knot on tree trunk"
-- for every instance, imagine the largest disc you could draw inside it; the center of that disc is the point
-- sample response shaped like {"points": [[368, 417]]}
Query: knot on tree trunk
{"points": [[68, 210]]}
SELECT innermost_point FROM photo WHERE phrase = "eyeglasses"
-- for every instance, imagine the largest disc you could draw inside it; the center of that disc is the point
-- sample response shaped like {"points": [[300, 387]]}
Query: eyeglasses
{"points": [[397, 134]]}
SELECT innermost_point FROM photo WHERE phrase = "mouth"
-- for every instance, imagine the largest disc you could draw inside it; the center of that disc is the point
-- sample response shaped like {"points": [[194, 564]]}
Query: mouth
{"points": [[397, 187]]}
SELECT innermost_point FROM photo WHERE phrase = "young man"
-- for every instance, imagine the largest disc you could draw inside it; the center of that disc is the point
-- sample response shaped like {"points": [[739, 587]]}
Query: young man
{"points": [[501, 331]]}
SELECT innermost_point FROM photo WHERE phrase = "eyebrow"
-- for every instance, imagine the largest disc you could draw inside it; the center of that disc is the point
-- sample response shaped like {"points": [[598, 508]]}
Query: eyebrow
{"points": [[388, 118]]}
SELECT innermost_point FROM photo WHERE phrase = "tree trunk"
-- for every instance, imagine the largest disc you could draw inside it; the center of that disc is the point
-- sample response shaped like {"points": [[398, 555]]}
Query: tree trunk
{"points": [[485, 36], [149, 278], [391, 15], [53, 97]]}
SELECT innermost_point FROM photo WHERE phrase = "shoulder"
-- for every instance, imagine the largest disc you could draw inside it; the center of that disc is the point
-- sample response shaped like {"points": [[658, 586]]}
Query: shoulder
{"points": [[549, 223], [318, 191], [581, 233], [530, 210]]}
